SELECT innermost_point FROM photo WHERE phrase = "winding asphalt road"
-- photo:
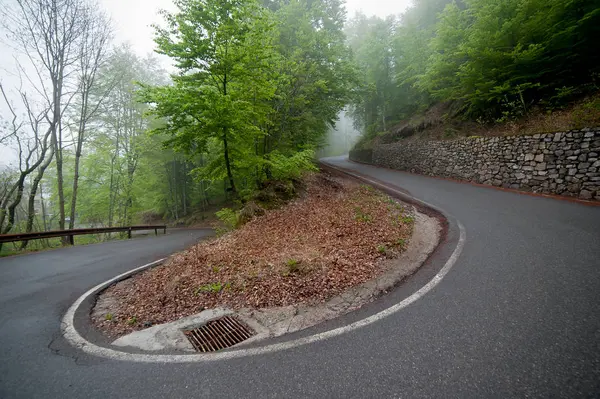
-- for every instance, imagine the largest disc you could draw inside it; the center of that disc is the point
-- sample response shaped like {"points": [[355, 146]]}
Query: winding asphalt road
{"points": [[517, 316]]}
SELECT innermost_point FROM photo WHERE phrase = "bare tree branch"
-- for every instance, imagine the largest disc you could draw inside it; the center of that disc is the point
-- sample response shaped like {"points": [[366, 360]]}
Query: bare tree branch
{"points": [[51, 33]]}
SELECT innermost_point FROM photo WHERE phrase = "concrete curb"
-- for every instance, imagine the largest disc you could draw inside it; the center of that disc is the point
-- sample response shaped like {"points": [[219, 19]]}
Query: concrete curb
{"points": [[72, 335]]}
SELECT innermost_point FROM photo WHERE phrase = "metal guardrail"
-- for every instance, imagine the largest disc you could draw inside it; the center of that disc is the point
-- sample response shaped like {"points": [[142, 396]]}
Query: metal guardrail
{"points": [[75, 232]]}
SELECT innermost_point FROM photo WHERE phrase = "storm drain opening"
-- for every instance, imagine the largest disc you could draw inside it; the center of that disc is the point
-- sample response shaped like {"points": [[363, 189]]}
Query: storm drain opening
{"points": [[219, 334]]}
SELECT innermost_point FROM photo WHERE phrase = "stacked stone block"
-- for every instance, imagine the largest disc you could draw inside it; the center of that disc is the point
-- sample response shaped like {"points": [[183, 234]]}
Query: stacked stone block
{"points": [[564, 163]]}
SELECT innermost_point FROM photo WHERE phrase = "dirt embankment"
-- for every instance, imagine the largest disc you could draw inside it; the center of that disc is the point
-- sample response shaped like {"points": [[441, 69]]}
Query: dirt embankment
{"points": [[336, 235]]}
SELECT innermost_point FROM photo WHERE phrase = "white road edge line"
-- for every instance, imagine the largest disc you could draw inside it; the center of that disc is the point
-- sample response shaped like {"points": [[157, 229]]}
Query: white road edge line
{"points": [[73, 337]]}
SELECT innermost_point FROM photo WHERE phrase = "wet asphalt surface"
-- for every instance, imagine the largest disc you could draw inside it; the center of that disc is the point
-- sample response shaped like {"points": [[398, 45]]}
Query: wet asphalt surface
{"points": [[517, 316]]}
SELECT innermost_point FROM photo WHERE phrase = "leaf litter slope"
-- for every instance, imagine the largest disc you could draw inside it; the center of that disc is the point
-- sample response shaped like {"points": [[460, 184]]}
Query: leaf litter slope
{"points": [[334, 236]]}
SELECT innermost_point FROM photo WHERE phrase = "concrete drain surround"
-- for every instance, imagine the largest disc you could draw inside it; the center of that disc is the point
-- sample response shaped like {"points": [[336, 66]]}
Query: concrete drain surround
{"points": [[219, 334]]}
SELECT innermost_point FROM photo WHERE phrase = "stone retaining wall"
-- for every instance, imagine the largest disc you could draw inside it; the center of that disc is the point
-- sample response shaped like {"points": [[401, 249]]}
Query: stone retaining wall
{"points": [[362, 155], [566, 163]]}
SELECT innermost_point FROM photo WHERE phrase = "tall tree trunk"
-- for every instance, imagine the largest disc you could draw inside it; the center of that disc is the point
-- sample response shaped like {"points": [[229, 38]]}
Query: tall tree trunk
{"points": [[61, 192], [184, 189], [32, 194], [43, 205], [204, 198], [4, 205], [172, 190], [225, 146], [80, 133], [57, 140], [228, 163], [175, 199], [266, 150], [11, 208], [125, 215], [113, 189], [75, 187]]}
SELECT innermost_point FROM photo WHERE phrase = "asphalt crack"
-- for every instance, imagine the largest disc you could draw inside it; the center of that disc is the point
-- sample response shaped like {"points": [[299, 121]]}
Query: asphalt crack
{"points": [[60, 347]]}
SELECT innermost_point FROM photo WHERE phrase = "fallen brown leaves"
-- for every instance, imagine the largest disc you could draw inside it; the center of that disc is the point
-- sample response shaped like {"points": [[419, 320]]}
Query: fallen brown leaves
{"points": [[329, 239]]}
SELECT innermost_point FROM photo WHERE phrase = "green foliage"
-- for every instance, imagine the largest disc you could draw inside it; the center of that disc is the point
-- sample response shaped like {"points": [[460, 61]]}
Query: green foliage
{"points": [[371, 39], [362, 216], [212, 288], [255, 90], [258, 84], [228, 217], [493, 60], [108, 317], [132, 321], [289, 167], [563, 96], [222, 49], [367, 188], [256, 87], [407, 219], [292, 266], [315, 74], [382, 249], [501, 57], [587, 114]]}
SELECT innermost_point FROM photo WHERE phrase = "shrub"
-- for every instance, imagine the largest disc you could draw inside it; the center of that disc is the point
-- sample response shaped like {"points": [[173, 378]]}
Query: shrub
{"points": [[284, 167], [212, 288], [292, 266], [229, 218], [362, 216]]}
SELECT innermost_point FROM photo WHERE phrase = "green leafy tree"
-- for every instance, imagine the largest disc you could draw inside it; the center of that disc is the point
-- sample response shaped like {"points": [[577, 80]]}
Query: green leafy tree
{"points": [[491, 60], [514, 53], [371, 40], [222, 50], [314, 79]]}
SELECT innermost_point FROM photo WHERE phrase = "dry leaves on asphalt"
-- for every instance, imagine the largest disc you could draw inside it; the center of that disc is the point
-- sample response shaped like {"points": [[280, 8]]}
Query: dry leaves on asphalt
{"points": [[331, 238]]}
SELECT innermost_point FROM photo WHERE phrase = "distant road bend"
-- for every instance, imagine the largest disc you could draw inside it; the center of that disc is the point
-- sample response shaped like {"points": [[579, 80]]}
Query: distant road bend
{"points": [[517, 315]]}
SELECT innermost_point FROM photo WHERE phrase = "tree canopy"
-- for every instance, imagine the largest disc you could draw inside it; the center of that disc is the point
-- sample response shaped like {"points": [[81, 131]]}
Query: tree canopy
{"points": [[104, 136], [257, 86], [487, 57]]}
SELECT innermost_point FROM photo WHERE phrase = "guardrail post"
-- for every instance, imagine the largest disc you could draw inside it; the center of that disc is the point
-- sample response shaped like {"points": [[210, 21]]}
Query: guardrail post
{"points": [[129, 232], [155, 232], [72, 239], [165, 230]]}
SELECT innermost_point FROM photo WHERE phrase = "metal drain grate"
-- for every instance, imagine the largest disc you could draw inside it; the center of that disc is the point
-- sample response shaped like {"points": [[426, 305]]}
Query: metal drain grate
{"points": [[218, 334]]}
